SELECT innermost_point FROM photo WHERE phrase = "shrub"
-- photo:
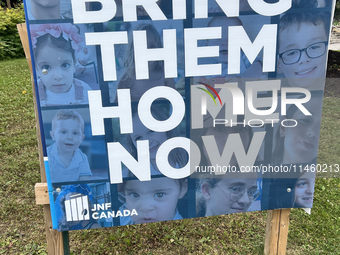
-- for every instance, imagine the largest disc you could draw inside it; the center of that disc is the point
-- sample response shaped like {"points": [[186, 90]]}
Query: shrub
{"points": [[3, 3], [10, 44]]}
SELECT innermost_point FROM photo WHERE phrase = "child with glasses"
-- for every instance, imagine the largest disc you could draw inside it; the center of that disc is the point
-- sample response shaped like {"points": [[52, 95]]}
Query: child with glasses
{"points": [[216, 196], [303, 40]]}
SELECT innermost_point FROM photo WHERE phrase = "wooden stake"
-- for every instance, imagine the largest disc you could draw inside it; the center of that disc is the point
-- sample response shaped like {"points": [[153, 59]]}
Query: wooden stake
{"points": [[41, 194], [276, 232], [22, 29], [55, 242]]}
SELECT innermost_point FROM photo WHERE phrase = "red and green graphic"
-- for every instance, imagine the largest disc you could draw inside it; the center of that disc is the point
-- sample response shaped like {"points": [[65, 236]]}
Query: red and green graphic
{"points": [[209, 93]]}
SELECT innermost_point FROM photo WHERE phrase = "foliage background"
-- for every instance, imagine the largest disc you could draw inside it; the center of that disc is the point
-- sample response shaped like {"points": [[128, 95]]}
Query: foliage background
{"points": [[10, 45]]}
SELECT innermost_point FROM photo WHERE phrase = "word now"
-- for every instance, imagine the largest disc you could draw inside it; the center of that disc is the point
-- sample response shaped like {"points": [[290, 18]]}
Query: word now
{"points": [[117, 154]]}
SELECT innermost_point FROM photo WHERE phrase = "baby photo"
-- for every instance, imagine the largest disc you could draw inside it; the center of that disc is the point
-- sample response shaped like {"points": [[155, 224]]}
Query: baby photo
{"points": [[154, 200], [65, 67], [67, 150]]}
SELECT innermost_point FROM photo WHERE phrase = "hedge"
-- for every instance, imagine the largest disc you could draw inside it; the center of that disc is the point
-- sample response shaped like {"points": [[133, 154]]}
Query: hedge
{"points": [[10, 45]]}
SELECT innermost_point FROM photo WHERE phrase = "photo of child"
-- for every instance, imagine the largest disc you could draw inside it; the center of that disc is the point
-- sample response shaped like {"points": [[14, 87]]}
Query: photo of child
{"points": [[303, 41], [247, 70], [67, 162], [217, 196], [304, 191], [220, 133], [311, 3], [44, 9], [296, 144], [300, 187], [156, 68], [299, 144], [213, 6], [54, 48], [177, 158], [49, 9], [154, 200]]}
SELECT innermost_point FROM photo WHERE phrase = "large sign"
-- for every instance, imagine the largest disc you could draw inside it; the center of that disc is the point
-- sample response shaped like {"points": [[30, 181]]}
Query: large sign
{"points": [[163, 110]]}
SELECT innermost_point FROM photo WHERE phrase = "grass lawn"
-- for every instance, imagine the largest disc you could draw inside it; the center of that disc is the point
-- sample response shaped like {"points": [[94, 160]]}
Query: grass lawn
{"points": [[22, 222]]}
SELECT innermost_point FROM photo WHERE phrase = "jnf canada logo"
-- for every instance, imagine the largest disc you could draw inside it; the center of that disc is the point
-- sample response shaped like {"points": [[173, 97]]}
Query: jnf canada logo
{"points": [[77, 208]]}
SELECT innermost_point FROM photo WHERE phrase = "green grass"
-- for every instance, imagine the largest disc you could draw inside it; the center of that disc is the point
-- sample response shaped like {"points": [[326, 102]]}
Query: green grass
{"points": [[22, 225], [337, 13]]}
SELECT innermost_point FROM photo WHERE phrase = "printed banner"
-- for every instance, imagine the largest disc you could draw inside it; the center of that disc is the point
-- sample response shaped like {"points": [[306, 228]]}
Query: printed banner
{"points": [[163, 110]]}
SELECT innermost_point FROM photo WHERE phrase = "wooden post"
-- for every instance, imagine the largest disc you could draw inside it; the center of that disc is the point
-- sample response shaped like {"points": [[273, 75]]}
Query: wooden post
{"points": [[55, 239], [276, 232], [22, 29]]}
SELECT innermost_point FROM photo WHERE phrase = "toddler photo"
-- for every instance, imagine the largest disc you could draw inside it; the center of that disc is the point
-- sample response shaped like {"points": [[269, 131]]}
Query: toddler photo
{"points": [[49, 9], [55, 47], [66, 161], [154, 200]]}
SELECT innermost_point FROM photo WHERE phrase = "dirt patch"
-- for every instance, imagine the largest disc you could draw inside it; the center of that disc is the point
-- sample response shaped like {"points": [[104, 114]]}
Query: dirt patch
{"points": [[335, 36]]}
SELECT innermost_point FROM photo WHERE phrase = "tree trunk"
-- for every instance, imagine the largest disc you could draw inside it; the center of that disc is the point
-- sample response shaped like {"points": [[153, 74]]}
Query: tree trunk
{"points": [[8, 4]]}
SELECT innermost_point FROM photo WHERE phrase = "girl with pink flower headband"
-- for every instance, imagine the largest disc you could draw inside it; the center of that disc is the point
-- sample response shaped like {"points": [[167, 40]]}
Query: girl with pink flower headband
{"points": [[54, 48]]}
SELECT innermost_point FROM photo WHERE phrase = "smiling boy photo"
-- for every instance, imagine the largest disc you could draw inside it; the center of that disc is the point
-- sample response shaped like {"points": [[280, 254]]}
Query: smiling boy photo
{"points": [[66, 161], [303, 41]]}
